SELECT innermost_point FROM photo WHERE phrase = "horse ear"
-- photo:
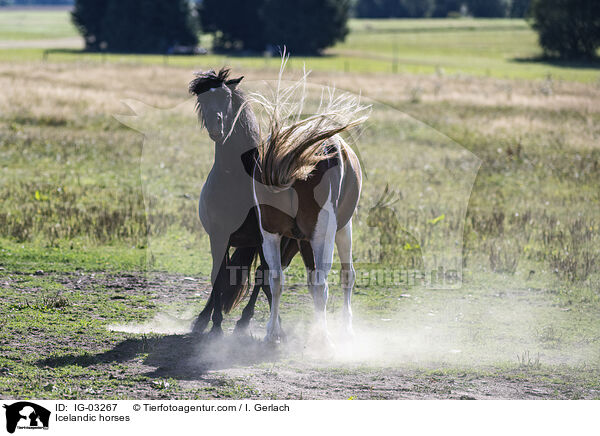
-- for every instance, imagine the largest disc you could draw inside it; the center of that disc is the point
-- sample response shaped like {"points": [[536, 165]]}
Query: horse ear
{"points": [[233, 83]]}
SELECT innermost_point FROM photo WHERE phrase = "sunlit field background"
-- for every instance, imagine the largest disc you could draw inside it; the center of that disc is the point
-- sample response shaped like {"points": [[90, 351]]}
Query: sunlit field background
{"points": [[75, 238]]}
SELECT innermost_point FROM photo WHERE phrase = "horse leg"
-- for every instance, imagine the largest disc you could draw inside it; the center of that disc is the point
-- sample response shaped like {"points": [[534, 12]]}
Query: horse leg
{"points": [[243, 323], [343, 241], [260, 281], [217, 315], [219, 251], [289, 248], [272, 252], [202, 320], [322, 244]]}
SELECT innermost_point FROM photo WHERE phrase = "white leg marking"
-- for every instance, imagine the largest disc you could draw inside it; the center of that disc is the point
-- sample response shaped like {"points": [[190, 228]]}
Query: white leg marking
{"points": [[343, 241], [322, 244], [271, 249]]}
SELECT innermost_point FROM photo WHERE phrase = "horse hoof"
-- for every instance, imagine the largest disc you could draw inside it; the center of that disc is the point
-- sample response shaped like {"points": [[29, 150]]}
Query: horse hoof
{"points": [[197, 333], [274, 334], [199, 327], [241, 328], [215, 333], [278, 338], [272, 339], [241, 331]]}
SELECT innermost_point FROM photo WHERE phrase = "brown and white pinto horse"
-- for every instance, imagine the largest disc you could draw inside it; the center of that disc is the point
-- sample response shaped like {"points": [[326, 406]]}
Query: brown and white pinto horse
{"points": [[306, 163], [326, 202]]}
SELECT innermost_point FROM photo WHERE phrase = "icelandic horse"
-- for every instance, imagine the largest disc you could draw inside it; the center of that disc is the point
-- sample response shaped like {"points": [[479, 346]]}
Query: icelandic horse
{"points": [[226, 205], [305, 162]]}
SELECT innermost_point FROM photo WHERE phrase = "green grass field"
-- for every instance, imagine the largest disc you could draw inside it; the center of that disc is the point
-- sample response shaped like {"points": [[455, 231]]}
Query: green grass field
{"points": [[76, 258], [494, 47], [35, 24]]}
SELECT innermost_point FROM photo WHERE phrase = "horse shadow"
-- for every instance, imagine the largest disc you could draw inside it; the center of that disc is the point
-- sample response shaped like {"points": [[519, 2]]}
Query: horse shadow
{"points": [[184, 357]]}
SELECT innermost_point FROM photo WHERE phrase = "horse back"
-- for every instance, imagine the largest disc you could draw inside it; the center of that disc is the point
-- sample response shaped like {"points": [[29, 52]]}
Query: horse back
{"points": [[336, 179]]}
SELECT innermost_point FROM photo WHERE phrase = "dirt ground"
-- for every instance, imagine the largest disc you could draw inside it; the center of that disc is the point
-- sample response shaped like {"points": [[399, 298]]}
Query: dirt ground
{"points": [[145, 365]]}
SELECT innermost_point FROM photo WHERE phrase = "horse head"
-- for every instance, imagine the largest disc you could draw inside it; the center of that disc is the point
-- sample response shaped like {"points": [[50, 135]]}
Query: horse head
{"points": [[214, 93]]}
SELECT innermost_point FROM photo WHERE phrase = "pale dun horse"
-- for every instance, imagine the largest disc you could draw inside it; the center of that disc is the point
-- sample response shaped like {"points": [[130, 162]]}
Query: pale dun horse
{"points": [[304, 161], [227, 208]]}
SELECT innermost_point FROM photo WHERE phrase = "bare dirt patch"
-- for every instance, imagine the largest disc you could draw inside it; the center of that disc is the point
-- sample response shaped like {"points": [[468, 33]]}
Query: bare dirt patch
{"points": [[183, 366]]}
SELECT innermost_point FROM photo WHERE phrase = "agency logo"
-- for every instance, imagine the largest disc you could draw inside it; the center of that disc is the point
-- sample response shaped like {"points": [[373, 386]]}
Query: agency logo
{"points": [[26, 415]]}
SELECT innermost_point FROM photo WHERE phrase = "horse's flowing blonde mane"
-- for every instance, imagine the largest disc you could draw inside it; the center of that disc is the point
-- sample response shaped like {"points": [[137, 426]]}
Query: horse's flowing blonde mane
{"points": [[294, 143]]}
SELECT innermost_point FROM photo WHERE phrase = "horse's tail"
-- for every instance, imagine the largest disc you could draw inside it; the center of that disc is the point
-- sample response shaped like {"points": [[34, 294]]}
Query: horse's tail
{"points": [[294, 145], [235, 279]]}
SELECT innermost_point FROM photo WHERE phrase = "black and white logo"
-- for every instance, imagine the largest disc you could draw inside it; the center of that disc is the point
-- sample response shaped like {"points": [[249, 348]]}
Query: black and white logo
{"points": [[26, 415]]}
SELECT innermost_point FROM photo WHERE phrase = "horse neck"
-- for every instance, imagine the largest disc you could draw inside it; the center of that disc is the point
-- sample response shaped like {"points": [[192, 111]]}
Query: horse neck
{"points": [[245, 136]]}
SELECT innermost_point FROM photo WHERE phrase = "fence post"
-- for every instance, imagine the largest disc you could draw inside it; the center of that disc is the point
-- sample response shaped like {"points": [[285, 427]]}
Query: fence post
{"points": [[395, 55]]}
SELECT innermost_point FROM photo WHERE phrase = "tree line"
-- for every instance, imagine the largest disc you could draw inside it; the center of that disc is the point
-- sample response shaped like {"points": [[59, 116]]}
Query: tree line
{"points": [[566, 28], [441, 8]]}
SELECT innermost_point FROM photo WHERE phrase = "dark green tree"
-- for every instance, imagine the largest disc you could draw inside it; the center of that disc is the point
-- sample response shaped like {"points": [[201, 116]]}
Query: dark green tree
{"points": [[488, 8], [372, 9], [519, 8], [568, 29], [236, 24], [88, 15], [305, 26], [444, 7], [394, 8], [135, 25], [418, 8]]}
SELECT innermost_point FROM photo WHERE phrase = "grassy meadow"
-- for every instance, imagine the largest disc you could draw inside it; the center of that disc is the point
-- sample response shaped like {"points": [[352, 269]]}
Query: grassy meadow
{"points": [[487, 150]]}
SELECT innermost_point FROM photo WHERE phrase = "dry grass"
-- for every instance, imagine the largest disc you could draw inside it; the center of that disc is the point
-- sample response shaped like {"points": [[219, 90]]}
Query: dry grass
{"points": [[539, 152], [75, 90]]}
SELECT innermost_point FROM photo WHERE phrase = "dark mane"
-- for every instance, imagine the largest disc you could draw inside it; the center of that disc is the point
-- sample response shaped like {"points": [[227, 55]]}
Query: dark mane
{"points": [[244, 116], [208, 80]]}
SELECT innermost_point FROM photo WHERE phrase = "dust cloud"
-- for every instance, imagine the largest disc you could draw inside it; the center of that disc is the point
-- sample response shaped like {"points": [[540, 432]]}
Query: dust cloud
{"points": [[428, 327]]}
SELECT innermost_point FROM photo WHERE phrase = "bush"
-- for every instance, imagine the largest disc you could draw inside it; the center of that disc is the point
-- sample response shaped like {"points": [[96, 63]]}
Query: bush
{"points": [[568, 29], [304, 26], [134, 25]]}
